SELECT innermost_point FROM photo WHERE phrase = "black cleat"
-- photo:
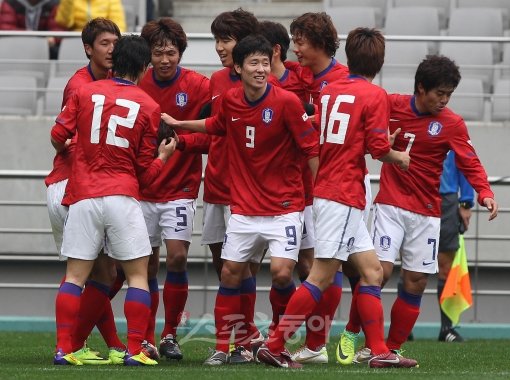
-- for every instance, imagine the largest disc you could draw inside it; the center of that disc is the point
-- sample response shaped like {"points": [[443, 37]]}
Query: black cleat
{"points": [[450, 335], [169, 348]]}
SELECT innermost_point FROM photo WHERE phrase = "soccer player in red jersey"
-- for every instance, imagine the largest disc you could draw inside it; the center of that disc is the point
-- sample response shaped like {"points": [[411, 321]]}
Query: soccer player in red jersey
{"points": [[407, 208], [99, 37], [266, 131], [353, 118], [116, 123], [169, 203]]}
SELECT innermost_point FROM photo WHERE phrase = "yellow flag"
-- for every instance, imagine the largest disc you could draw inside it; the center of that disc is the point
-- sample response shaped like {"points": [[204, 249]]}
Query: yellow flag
{"points": [[456, 296]]}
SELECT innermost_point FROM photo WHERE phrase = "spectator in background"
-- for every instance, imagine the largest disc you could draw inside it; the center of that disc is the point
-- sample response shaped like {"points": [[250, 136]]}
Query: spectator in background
{"points": [[74, 14], [31, 15]]}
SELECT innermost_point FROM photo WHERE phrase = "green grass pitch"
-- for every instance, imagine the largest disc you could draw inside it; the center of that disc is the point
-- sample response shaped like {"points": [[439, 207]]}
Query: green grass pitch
{"points": [[26, 355]]}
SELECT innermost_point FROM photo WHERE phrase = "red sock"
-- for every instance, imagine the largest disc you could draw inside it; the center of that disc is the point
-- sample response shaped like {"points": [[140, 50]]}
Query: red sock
{"points": [[92, 306], [247, 331], [137, 310], [354, 323], [175, 294], [228, 305], [117, 284], [279, 298], [301, 304], [108, 329], [372, 316], [319, 323], [404, 313], [151, 327], [67, 305]]}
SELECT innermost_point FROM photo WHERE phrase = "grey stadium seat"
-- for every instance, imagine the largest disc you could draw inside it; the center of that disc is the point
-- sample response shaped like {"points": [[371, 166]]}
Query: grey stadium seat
{"points": [[18, 95], [501, 100], [71, 57], [468, 100], [53, 95]]}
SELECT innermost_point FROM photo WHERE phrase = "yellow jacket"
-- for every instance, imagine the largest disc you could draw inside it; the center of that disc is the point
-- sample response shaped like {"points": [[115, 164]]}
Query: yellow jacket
{"points": [[74, 14]]}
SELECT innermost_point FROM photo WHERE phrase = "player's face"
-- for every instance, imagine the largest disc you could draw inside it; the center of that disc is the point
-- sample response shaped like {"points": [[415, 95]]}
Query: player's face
{"points": [[165, 59], [101, 51], [255, 71], [224, 47], [434, 100], [305, 52]]}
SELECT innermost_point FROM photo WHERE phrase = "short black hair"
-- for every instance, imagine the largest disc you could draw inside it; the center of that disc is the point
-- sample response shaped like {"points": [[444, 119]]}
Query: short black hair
{"points": [[276, 34], [254, 43], [131, 56], [235, 24], [436, 71]]}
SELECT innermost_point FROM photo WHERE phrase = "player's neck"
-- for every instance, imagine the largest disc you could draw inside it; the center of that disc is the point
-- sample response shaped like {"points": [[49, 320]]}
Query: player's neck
{"points": [[320, 64], [254, 93], [98, 72], [278, 69]]}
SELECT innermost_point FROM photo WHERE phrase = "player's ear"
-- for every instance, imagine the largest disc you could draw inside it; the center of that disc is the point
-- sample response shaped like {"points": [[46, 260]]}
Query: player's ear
{"points": [[237, 68]]}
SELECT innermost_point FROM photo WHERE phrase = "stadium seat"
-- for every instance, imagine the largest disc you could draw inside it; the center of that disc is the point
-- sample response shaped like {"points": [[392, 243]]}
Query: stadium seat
{"points": [[18, 95], [394, 84], [25, 56], [442, 6], [475, 59], [468, 100], [501, 101], [402, 57], [71, 57], [420, 21], [504, 66], [136, 14], [379, 7], [347, 18], [53, 95], [503, 5], [200, 55]]}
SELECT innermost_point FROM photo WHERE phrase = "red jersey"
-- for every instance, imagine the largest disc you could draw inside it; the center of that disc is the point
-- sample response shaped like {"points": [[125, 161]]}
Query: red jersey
{"points": [[182, 97], [116, 123], [217, 178], [265, 140], [62, 161], [427, 138], [354, 115]]}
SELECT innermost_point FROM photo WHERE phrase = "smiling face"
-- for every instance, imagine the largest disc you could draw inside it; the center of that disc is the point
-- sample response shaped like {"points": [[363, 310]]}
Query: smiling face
{"points": [[434, 100], [254, 73], [165, 59], [101, 51], [224, 47], [309, 55]]}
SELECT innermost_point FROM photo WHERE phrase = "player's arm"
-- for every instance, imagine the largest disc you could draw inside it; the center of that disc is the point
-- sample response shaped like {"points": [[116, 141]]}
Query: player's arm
{"points": [[65, 126], [189, 125], [402, 159], [313, 163]]}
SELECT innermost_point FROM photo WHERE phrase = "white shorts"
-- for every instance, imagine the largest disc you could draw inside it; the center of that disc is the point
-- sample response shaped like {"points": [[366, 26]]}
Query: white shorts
{"points": [[248, 237], [415, 237], [171, 220], [57, 212], [214, 223], [117, 219], [308, 239], [339, 230], [368, 199]]}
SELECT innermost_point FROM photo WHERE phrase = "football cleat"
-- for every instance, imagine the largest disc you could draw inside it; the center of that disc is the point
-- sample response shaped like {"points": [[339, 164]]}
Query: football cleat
{"points": [[450, 335], [151, 350], [306, 355], [391, 359], [139, 359], [61, 358], [116, 355], [240, 355], [255, 344], [86, 356], [216, 358], [346, 348], [169, 348], [362, 356], [282, 360]]}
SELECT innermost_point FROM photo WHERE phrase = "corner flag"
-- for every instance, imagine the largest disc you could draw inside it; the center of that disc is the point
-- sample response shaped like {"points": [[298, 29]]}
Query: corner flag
{"points": [[456, 296]]}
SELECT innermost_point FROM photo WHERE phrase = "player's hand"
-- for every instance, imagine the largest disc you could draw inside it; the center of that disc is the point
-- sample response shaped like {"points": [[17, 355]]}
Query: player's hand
{"points": [[165, 150], [492, 206], [404, 161], [170, 120], [465, 216], [393, 136]]}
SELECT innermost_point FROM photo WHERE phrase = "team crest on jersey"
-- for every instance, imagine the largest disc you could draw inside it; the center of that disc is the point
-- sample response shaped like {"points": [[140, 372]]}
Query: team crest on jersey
{"points": [[350, 244], [181, 99], [385, 242], [323, 84], [435, 128], [267, 115]]}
